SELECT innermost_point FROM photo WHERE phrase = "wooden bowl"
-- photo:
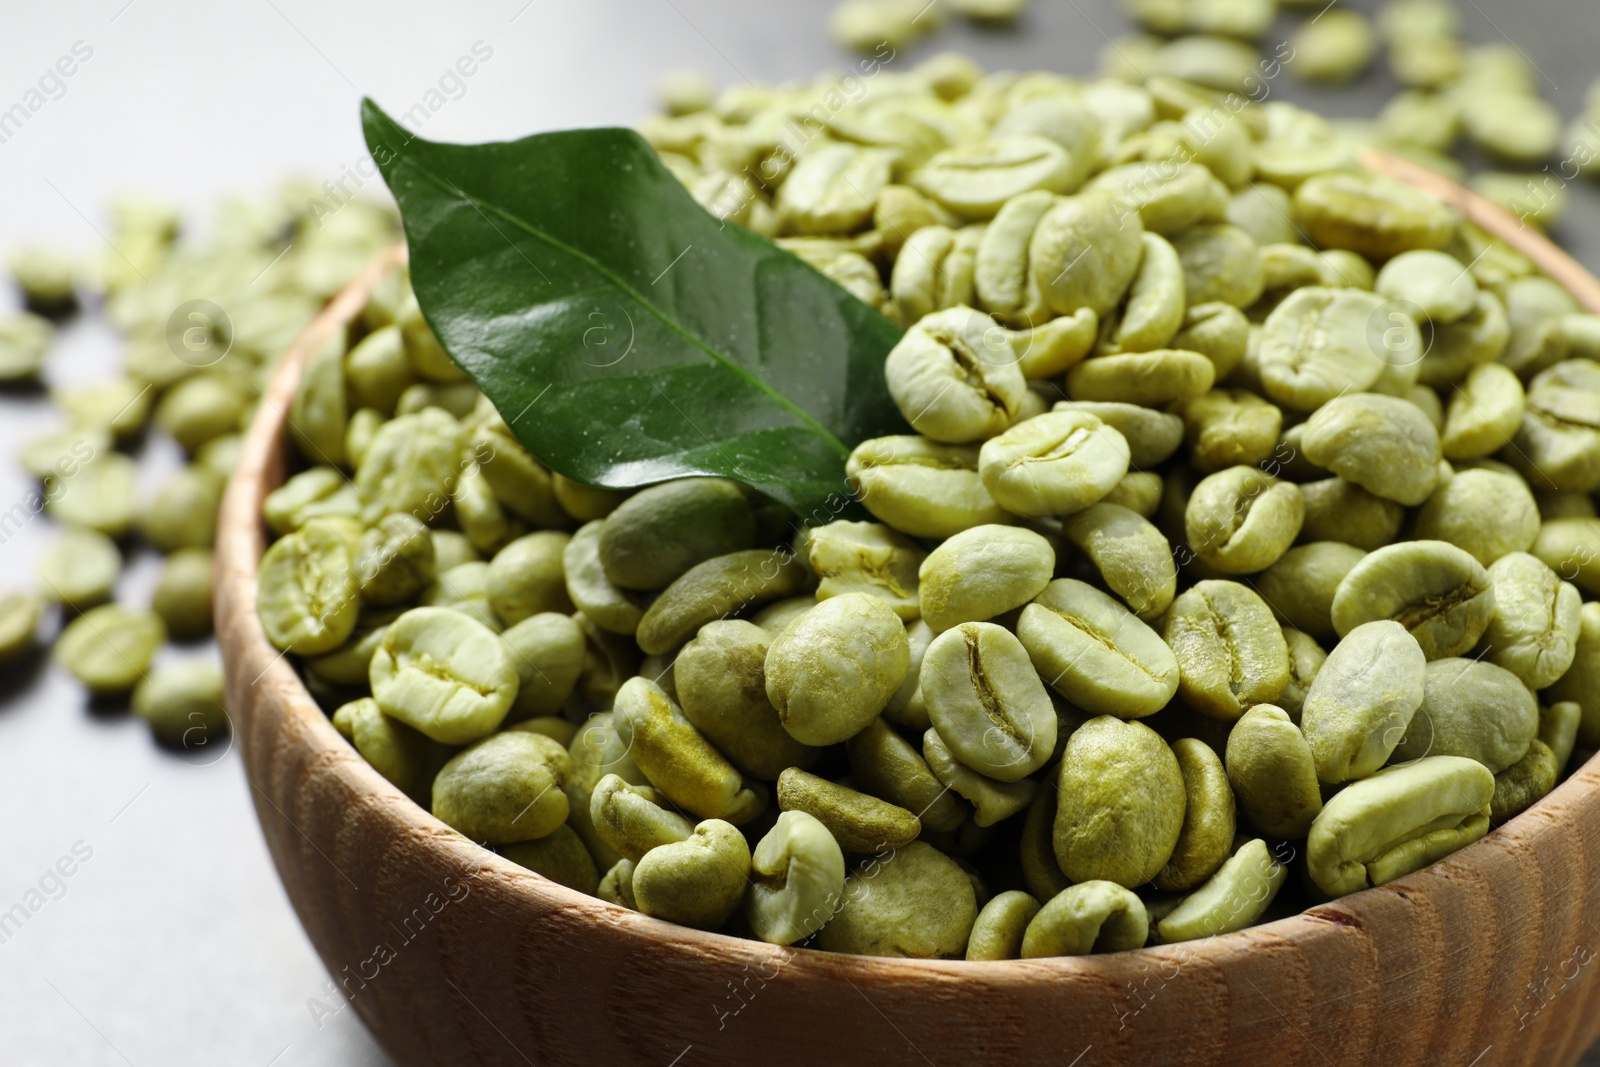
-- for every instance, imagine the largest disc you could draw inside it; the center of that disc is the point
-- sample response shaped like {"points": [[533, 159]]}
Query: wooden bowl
{"points": [[453, 955]]}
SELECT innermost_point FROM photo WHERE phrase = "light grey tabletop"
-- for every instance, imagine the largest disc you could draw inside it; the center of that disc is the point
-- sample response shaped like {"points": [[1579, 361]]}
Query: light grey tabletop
{"points": [[170, 941]]}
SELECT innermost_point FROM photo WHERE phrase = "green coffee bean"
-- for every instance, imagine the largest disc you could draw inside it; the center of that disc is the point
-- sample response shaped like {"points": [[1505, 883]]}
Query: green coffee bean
{"points": [[1242, 520], [920, 487], [547, 651], [1581, 683], [520, 484], [866, 557], [834, 669], [526, 577], [61, 453], [1208, 818], [182, 596], [629, 819], [1231, 654], [1474, 709], [1153, 378], [678, 760], [1120, 803], [1001, 278], [616, 885], [954, 376], [1315, 346], [1138, 491], [351, 663], [716, 589], [1293, 266], [1524, 783], [1095, 652], [1398, 821], [200, 408], [798, 880], [320, 491], [1152, 436], [402, 755], [442, 673], [697, 882], [656, 535], [1383, 444], [1156, 300], [1133, 558], [936, 269], [609, 607], [1337, 510], [1372, 214], [81, 568], [101, 494], [1273, 773], [505, 788], [1306, 658], [309, 599], [1085, 252], [833, 190], [1092, 916], [1558, 729], [1485, 413], [983, 572], [1534, 630], [1477, 339], [1227, 427], [119, 406], [108, 648], [1489, 513], [184, 511], [1168, 199], [986, 701], [993, 801], [1301, 585], [411, 466], [975, 180], [916, 903], [1438, 592], [183, 703], [1220, 264], [1434, 282], [720, 682], [1558, 444], [376, 371], [1364, 697], [1571, 547], [19, 623], [1053, 464], [465, 588], [395, 561], [479, 513], [560, 856], [25, 340], [998, 931], [858, 822], [1052, 347], [1235, 897], [887, 766]]}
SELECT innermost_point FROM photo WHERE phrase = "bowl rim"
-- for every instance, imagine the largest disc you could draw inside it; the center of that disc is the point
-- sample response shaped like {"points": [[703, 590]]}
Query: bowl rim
{"points": [[295, 718]]}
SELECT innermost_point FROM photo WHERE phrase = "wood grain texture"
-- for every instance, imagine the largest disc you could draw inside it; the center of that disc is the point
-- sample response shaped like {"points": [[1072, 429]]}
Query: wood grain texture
{"points": [[454, 956]]}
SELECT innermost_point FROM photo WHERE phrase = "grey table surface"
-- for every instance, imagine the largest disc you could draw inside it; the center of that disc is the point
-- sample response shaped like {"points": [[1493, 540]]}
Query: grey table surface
{"points": [[171, 941]]}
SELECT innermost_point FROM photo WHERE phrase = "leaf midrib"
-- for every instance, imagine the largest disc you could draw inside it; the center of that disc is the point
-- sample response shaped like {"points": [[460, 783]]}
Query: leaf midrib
{"points": [[599, 268]]}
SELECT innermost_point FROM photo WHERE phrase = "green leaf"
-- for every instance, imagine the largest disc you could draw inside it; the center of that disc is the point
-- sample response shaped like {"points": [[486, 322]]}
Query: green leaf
{"points": [[626, 335]]}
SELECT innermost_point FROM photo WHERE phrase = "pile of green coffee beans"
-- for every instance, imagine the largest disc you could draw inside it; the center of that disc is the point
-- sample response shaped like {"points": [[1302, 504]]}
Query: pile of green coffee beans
{"points": [[1485, 96], [202, 327], [1244, 528]]}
